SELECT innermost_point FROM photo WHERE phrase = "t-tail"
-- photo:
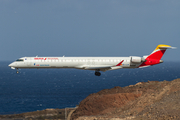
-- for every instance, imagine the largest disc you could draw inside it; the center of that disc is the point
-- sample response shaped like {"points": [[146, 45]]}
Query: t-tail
{"points": [[155, 57]]}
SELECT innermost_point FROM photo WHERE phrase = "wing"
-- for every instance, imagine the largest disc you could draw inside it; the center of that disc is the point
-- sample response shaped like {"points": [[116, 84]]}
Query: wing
{"points": [[101, 67]]}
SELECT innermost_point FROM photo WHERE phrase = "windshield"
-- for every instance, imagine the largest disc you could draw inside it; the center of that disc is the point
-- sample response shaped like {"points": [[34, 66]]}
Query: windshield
{"points": [[19, 60]]}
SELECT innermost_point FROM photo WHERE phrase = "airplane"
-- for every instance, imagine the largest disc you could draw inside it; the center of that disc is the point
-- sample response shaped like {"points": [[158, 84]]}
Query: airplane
{"points": [[96, 64]]}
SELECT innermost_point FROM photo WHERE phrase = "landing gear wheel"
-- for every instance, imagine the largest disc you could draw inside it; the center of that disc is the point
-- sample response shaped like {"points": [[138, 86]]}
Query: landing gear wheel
{"points": [[17, 70], [97, 73]]}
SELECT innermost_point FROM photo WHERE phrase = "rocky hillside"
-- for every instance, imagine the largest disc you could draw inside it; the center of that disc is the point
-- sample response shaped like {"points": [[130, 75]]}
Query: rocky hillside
{"points": [[145, 100]]}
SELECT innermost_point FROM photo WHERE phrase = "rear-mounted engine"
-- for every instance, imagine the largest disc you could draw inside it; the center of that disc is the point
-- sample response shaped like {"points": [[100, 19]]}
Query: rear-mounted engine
{"points": [[137, 59]]}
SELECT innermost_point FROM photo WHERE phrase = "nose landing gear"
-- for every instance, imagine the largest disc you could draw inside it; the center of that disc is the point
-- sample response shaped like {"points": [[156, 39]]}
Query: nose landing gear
{"points": [[97, 73], [17, 71]]}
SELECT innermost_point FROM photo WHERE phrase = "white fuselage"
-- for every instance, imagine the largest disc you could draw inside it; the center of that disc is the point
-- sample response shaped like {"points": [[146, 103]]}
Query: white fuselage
{"points": [[92, 63], [89, 63]]}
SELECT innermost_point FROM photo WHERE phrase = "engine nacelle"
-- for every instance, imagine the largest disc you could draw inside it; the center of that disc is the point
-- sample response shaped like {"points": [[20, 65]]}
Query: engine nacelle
{"points": [[137, 59]]}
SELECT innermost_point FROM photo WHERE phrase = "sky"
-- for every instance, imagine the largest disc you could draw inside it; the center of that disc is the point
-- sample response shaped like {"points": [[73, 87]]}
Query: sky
{"points": [[88, 28]]}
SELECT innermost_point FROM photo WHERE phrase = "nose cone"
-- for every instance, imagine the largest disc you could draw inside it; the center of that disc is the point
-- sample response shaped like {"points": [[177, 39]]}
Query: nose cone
{"points": [[12, 65]]}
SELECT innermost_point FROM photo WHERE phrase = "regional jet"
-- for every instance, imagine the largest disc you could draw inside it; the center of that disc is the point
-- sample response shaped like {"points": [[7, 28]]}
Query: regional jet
{"points": [[96, 64]]}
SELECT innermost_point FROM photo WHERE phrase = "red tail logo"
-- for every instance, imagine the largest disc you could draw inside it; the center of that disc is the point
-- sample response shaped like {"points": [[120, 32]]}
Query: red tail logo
{"points": [[155, 56]]}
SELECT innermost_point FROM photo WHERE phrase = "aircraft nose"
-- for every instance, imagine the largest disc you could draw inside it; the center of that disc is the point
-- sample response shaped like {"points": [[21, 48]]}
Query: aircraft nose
{"points": [[11, 65]]}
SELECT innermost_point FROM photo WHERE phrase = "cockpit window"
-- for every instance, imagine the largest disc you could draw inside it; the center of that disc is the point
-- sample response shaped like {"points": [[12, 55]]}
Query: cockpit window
{"points": [[19, 60]]}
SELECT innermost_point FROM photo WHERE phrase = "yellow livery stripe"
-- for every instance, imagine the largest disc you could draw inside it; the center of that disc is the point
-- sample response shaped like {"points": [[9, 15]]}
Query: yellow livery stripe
{"points": [[161, 46]]}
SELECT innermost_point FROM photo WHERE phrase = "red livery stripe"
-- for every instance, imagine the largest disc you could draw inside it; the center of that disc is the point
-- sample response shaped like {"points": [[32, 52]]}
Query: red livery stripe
{"points": [[119, 64]]}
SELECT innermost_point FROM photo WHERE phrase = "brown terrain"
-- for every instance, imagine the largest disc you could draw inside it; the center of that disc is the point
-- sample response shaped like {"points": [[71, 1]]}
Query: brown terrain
{"points": [[150, 100]]}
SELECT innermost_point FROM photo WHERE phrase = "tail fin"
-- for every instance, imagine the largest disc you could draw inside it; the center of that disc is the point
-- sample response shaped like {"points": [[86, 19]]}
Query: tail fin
{"points": [[156, 55], [158, 52]]}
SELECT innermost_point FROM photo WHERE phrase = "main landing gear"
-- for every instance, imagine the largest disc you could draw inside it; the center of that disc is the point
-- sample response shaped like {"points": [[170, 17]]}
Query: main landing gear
{"points": [[97, 73]]}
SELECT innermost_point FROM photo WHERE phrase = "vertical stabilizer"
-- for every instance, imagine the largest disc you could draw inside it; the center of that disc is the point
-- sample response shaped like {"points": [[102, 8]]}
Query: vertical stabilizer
{"points": [[156, 55], [158, 52]]}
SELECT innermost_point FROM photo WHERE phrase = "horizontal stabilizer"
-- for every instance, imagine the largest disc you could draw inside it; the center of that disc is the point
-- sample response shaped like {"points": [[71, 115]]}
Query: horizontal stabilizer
{"points": [[167, 47], [162, 46]]}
